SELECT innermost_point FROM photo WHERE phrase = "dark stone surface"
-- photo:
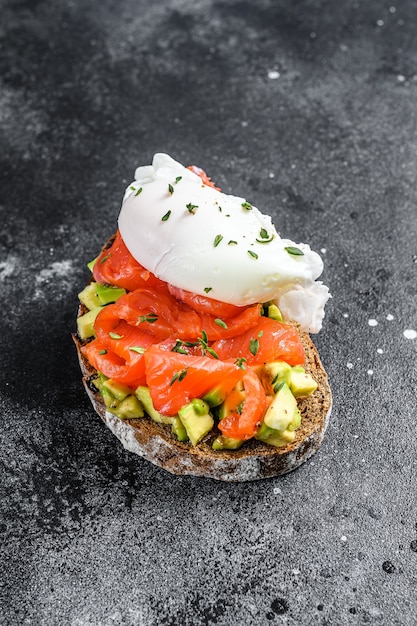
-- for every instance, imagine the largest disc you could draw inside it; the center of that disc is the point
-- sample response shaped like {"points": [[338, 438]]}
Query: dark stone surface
{"points": [[94, 535]]}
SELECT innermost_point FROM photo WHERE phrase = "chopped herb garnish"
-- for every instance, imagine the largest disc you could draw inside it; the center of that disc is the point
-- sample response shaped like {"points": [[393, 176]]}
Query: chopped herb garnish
{"points": [[247, 206], [254, 346], [179, 376], [170, 189], [177, 180], [203, 341], [166, 216], [240, 362], [294, 251], [132, 187], [191, 207], [261, 333], [105, 258], [150, 317], [138, 191], [220, 209], [212, 352], [220, 322], [279, 386], [217, 240], [207, 289], [252, 254], [137, 349], [232, 242], [116, 336], [264, 236], [239, 408], [179, 347], [103, 352]]}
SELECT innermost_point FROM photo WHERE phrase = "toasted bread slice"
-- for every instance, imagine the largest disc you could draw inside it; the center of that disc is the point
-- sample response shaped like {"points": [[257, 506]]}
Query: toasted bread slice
{"points": [[253, 461]]}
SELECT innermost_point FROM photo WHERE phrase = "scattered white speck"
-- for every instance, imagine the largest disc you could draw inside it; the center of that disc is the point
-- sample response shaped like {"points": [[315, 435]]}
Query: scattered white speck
{"points": [[296, 572], [8, 267], [349, 365], [159, 518], [356, 436], [345, 314], [400, 22], [390, 317], [380, 23], [345, 265], [323, 250], [277, 490], [293, 166], [392, 9], [344, 47], [57, 269], [410, 334], [380, 351], [313, 35], [271, 175], [273, 74], [343, 538], [370, 372], [244, 124], [372, 322], [401, 78]]}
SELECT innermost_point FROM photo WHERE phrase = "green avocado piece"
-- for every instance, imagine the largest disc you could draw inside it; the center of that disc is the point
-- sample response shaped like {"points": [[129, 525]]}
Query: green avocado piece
{"points": [[143, 395], [226, 443], [301, 383], [119, 391], [92, 263], [178, 429], [128, 408], [276, 372], [85, 323], [273, 437], [282, 410], [215, 397], [196, 422], [233, 400], [88, 297], [107, 294], [274, 313]]}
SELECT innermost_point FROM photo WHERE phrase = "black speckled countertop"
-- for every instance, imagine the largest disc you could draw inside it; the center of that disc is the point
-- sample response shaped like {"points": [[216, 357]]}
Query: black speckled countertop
{"points": [[308, 110]]}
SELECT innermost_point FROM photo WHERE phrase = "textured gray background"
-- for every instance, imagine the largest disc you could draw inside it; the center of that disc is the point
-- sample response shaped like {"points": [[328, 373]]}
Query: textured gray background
{"points": [[89, 90]]}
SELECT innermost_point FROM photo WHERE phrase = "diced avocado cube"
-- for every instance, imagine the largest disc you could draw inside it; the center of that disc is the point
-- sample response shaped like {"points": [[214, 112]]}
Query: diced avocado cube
{"points": [[85, 323], [301, 383], [178, 429], [281, 411], [143, 395], [109, 400], [196, 423], [107, 294], [215, 397], [232, 403], [275, 373], [88, 297], [274, 313], [274, 437], [129, 408], [91, 264], [226, 443], [118, 390]]}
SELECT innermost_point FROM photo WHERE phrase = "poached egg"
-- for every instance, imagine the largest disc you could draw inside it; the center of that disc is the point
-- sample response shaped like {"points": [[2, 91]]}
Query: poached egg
{"points": [[217, 245]]}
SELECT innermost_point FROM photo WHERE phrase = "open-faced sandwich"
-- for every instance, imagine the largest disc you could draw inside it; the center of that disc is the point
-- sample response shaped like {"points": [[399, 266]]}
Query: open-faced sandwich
{"points": [[193, 333]]}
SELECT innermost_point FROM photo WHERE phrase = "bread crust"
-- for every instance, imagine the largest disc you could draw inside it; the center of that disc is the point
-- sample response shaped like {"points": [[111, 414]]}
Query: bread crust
{"points": [[253, 461]]}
